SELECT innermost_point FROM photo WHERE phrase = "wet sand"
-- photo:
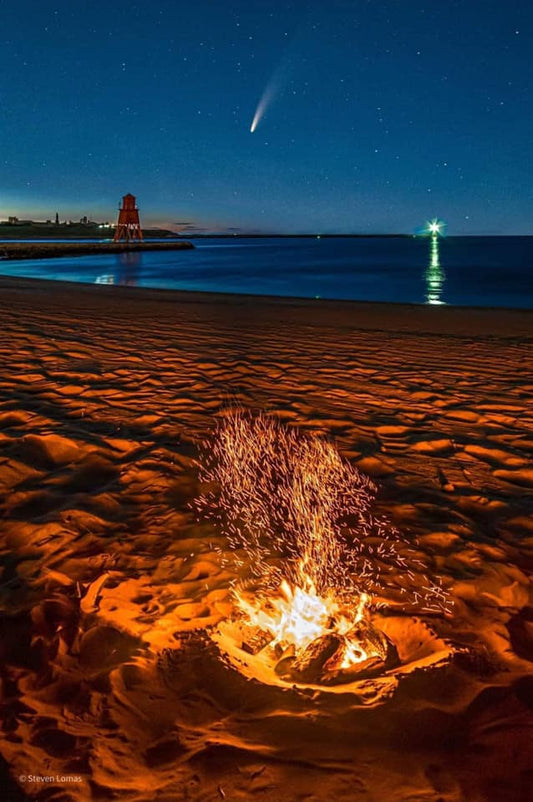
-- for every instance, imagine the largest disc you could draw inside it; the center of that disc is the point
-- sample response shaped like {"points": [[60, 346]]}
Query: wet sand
{"points": [[108, 581]]}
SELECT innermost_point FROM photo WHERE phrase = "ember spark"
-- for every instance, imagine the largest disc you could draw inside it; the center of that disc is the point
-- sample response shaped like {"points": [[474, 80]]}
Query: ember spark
{"points": [[293, 509]]}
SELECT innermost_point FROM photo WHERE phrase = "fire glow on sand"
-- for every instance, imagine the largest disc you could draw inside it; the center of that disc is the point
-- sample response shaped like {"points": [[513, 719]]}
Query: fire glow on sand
{"points": [[314, 593]]}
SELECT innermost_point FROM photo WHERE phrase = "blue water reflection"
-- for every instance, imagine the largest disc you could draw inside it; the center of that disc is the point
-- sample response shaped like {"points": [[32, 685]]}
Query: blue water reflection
{"points": [[469, 271]]}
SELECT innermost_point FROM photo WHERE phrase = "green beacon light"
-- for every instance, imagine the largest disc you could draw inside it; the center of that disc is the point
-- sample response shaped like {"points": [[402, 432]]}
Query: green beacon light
{"points": [[434, 227]]}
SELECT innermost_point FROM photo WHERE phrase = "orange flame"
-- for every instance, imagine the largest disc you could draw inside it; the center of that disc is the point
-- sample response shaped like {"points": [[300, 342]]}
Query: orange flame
{"points": [[299, 616]]}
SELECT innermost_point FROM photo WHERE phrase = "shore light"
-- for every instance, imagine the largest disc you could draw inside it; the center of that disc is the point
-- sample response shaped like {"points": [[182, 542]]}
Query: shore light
{"points": [[434, 227]]}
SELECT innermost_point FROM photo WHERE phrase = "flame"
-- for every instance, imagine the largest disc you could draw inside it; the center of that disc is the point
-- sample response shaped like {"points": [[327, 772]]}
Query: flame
{"points": [[298, 616]]}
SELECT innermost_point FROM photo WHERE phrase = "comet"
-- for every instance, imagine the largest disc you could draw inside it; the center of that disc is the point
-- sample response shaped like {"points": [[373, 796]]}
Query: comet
{"points": [[286, 68], [266, 99], [276, 84]]}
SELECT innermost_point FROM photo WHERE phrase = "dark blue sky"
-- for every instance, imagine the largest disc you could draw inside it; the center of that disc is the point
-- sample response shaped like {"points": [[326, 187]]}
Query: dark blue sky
{"points": [[379, 115]]}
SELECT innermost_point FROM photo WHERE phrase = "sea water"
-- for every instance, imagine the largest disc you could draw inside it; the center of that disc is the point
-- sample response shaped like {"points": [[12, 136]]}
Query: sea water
{"points": [[465, 271]]}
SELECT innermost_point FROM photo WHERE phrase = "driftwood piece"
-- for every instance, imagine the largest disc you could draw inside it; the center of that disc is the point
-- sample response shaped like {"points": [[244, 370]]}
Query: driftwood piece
{"points": [[370, 639], [307, 667], [370, 667], [255, 639], [382, 657], [318, 662], [283, 667]]}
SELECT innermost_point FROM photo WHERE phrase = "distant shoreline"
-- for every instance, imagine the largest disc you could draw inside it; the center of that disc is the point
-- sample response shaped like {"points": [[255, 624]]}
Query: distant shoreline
{"points": [[300, 236], [52, 250], [76, 231], [351, 236]]}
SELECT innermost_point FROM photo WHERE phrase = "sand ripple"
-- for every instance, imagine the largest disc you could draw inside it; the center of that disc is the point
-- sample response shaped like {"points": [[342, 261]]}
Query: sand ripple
{"points": [[108, 582]]}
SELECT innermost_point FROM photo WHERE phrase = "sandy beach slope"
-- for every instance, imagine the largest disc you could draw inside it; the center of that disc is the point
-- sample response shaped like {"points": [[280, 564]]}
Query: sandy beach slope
{"points": [[108, 581]]}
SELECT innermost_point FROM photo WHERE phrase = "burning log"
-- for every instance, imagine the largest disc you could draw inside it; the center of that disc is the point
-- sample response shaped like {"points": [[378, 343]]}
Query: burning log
{"points": [[371, 667], [286, 658], [311, 639], [283, 652], [369, 639], [283, 667], [334, 659], [381, 656], [309, 664], [255, 640]]}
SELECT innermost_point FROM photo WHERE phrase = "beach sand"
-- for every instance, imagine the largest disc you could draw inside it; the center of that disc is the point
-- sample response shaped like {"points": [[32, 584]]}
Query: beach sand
{"points": [[108, 581]]}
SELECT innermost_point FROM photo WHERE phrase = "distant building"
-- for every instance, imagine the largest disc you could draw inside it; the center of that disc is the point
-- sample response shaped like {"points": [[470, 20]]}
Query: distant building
{"points": [[14, 221]]}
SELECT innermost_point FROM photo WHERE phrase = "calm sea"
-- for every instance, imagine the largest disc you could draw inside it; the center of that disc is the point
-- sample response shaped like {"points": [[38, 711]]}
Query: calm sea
{"points": [[465, 271]]}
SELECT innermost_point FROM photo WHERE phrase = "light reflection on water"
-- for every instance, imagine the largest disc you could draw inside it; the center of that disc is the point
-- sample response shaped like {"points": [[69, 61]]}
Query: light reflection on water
{"points": [[435, 275], [127, 273], [479, 271]]}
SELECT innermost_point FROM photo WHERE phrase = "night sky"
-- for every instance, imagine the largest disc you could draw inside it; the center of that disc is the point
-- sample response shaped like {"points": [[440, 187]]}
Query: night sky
{"points": [[377, 115]]}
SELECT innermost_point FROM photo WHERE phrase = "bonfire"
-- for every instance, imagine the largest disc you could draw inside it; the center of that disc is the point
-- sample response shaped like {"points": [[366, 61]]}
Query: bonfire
{"points": [[314, 561]]}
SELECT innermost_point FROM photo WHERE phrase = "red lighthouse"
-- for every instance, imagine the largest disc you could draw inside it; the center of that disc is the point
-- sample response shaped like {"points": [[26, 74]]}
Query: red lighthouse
{"points": [[128, 226]]}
